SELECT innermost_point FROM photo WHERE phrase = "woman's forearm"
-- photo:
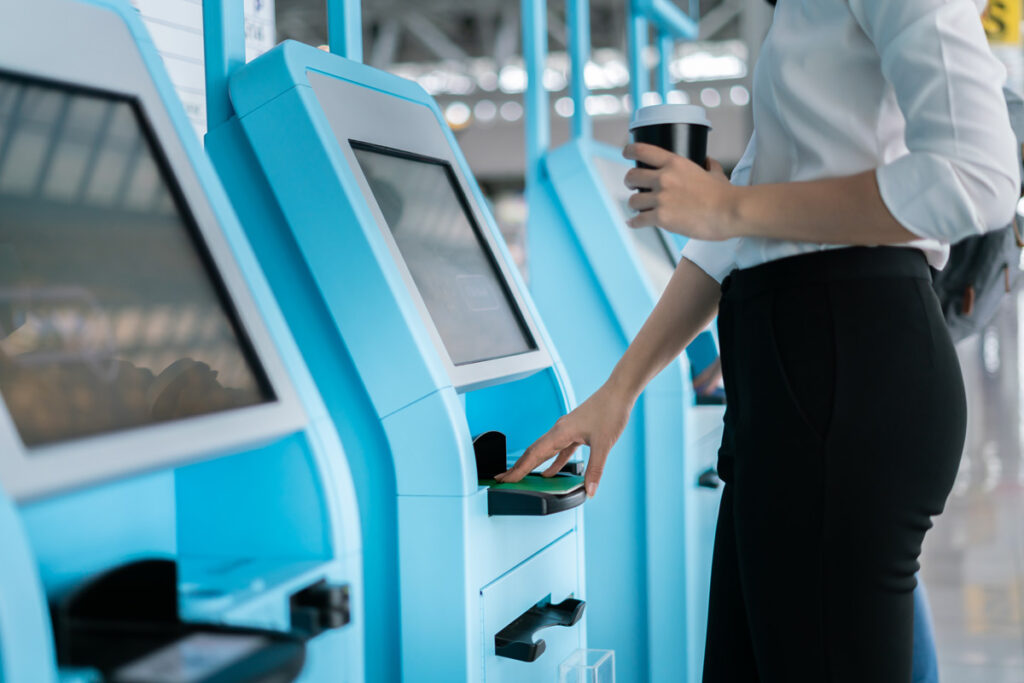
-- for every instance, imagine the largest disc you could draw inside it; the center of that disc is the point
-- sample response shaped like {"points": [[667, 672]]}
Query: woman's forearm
{"points": [[688, 304], [845, 210], [685, 198]]}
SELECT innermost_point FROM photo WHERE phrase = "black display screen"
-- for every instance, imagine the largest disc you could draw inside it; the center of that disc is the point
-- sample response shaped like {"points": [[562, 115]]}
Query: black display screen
{"points": [[441, 244], [112, 315]]}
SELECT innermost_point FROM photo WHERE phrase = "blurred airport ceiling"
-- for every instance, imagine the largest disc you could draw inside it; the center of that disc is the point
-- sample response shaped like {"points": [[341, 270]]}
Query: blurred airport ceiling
{"points": [[467, 54], [400, 31]]}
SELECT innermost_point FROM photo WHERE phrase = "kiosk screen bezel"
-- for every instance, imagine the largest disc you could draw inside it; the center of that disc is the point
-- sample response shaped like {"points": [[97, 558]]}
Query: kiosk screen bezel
{"points": [[355, 112]]}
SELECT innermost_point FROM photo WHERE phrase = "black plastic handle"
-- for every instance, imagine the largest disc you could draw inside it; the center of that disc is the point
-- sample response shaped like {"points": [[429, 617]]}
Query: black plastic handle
{"points": [[319, 608], [515, 641], [709, 479]]}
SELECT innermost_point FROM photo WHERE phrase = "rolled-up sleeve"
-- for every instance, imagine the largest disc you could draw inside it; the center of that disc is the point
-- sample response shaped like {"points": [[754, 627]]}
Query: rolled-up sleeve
{"points": [[718, 259], [960, 177]]}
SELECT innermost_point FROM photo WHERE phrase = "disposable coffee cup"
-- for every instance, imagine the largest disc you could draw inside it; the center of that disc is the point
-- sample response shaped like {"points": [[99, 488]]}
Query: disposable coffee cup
{"points": [[680, 128]]}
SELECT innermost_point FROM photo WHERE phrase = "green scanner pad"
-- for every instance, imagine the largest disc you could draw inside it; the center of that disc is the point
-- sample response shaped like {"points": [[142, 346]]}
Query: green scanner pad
{"points": [[558, 484]]}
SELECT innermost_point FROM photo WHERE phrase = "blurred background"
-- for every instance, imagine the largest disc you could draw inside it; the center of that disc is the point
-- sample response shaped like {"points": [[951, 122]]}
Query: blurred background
{"points": [[467, 54]]}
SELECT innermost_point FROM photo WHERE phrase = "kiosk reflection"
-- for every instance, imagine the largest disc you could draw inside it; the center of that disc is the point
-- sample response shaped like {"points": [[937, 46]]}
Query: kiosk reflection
{"points": [[108, 319]]}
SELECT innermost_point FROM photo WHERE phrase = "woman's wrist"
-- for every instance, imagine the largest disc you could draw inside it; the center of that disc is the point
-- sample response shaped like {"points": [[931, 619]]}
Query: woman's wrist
{"points": [[730, 212], [622, 386]]}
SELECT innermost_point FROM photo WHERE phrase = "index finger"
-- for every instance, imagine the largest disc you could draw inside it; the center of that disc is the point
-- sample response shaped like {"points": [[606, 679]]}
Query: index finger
{"points": [[645, 153], [542, 449]]}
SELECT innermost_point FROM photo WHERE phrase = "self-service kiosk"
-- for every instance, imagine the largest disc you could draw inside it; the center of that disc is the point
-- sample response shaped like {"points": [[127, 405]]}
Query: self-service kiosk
{"points": [[175, 504], [595, 282], [425, 345]]}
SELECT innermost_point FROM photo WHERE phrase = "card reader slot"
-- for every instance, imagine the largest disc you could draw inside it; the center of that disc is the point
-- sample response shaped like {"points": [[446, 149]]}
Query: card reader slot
{"points": [[534, 495], [516, 641]]}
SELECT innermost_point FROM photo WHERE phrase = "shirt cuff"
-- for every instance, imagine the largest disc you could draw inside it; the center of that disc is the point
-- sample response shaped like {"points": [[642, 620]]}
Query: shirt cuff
{"points": [[926, 196], [717, 259]]}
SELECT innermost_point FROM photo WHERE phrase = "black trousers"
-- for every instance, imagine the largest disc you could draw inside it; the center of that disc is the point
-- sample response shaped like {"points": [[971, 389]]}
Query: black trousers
{"points": [[845, 424]]}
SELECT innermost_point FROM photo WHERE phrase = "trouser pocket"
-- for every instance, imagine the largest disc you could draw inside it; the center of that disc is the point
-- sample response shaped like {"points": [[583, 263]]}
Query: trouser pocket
{"points": [[803, 342]]}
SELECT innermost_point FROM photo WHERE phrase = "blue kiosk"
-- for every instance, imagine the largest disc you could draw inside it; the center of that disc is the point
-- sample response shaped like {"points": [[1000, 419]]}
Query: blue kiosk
{"points": [[424, 344], [175, 503], [595, 281]]}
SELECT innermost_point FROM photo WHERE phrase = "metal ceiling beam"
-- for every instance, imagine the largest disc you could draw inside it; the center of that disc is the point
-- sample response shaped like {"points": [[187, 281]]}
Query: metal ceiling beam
{"points": [[383, 9], [433, 38], [385, 44], [557, 30], [486, 16], [718, 18], [507, 41]]}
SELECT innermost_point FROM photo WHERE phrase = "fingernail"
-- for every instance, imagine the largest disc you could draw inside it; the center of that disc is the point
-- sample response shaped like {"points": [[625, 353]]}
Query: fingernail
{"points": [[591, 489]]}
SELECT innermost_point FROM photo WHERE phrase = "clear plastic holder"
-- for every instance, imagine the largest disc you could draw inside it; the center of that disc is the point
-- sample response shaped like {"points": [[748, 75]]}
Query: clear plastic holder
{"points": [[588, 666]]}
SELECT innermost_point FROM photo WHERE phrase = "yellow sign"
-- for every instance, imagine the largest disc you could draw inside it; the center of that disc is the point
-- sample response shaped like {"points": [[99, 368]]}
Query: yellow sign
{"points": [[1002, 21]]}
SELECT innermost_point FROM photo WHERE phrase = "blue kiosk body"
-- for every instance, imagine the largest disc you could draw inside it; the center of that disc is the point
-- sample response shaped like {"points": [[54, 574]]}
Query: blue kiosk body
{"points": [[425, 346], [595, 281], [175, 503]]}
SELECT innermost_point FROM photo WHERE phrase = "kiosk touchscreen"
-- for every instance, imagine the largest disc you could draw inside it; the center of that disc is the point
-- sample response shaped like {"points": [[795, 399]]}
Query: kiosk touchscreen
{"points": [[651, 526], [456, 275], [429, 355], [145, 373]]}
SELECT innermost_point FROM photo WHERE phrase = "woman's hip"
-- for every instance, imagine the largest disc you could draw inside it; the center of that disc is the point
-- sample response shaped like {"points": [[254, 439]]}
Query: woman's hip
{"points": [[838, 351]]}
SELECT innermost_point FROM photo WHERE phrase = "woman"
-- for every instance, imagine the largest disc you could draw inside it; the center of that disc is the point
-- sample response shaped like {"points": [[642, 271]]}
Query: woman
{"points": [[880, 137]]}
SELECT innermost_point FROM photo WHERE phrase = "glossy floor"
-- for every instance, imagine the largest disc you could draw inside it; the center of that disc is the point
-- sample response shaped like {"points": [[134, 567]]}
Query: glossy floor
{"points": [[973, 561]]}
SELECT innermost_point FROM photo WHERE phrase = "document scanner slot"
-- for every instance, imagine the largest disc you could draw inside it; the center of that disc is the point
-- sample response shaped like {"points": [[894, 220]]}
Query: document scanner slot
{"points": [[534, 495], [125, 625]]}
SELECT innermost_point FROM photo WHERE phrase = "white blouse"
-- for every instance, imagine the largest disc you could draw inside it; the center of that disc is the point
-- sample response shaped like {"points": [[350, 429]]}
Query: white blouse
{"points": [[907, 87]]}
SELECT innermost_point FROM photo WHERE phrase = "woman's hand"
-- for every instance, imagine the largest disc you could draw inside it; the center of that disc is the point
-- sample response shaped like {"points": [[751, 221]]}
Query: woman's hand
{"points": [[598, 422], [710, 378], [679, 195]]}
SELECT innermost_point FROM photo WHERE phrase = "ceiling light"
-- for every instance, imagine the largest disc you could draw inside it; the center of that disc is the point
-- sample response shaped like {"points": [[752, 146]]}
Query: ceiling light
{"points": [[554, 80], [485, 110], [649, 98], [457, 114], [710, 97], [739, 95], [565, 107], [511, 111], [512, 79]]}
